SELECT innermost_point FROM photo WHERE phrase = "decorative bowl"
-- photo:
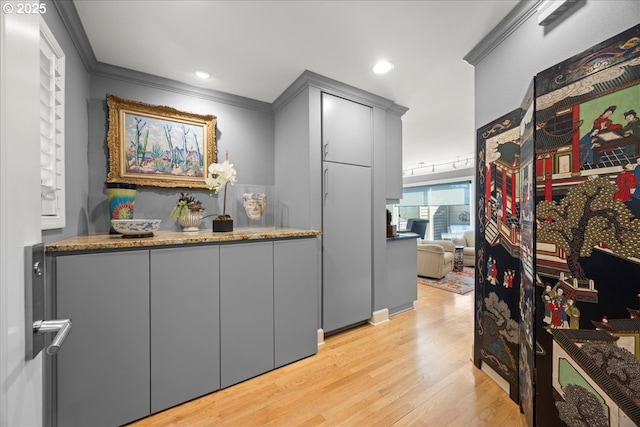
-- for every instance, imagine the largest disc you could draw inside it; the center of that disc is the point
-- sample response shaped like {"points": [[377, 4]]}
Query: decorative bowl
{"points": [[136, 227], [191, 222]]}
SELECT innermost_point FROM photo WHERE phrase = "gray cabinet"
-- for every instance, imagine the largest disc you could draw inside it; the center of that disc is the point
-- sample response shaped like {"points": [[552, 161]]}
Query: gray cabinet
{"points": [[393, 155], [295, 293], [346, 131], [185, 324], [103, 367], [401, 274], [246, 311], [303, 127], [347, 251], [346, 222], [155, 328]]}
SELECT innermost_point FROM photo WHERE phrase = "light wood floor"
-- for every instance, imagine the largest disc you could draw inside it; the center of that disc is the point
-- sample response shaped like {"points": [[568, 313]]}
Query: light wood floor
{"points": [[415, 369]]}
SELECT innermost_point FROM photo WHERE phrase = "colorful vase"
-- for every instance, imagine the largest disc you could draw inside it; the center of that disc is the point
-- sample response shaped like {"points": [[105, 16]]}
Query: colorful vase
{"points": [[122, 200]]}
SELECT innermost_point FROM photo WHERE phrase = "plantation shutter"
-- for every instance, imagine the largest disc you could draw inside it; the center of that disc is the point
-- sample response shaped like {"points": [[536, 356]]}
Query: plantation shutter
{"points": [[51, 130]]}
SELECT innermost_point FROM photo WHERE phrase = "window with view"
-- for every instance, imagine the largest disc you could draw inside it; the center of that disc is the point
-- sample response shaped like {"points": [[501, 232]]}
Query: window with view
{"points": [[446, 206]]}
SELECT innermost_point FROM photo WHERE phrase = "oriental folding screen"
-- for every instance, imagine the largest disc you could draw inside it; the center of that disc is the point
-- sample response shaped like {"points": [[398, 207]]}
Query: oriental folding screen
{"points": [[561, 208]]}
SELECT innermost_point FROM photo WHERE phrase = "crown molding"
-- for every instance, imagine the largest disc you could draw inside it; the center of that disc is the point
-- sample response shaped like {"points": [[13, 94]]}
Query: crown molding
{"points": [[334, 87], [151, 80], [398, 110], [71, 20], [518, 15], [69, 15]]}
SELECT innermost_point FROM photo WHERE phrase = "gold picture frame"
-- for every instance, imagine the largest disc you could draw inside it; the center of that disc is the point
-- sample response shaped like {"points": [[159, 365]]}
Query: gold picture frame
{"points": [[159, 146]]}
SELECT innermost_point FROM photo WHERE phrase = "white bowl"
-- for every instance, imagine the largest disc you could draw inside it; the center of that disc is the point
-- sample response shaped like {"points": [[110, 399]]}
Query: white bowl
{"points": [[136, 227]]}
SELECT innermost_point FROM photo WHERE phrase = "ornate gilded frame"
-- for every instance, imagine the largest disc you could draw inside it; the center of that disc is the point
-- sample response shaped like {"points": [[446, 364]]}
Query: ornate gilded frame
{"points": [[141, 145]]}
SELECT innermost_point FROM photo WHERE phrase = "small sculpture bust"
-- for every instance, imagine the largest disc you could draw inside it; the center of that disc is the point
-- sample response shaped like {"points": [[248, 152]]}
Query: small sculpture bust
{"points": [[254, 205]]}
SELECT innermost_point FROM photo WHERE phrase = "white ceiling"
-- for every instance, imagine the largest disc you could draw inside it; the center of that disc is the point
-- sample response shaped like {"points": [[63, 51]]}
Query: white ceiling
{"points": [[256, 49]]}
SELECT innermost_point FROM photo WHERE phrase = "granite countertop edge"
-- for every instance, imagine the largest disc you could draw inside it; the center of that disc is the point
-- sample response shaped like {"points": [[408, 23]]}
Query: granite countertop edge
{"points": [[403, 236], [170, 238]]}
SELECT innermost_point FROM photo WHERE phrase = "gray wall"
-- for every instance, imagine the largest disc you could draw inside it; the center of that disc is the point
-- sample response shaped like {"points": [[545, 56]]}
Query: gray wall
{"points": [[76, 119], [245, 127], [502, 77], [246, 132]]}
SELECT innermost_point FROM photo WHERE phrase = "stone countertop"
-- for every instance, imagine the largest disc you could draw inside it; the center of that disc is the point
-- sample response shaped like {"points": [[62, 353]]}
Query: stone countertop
{"points": [[171, 238]]}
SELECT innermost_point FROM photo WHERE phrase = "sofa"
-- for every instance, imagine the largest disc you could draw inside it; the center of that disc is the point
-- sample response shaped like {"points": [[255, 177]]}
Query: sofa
{"points": [[468, 240], [435, 258]]}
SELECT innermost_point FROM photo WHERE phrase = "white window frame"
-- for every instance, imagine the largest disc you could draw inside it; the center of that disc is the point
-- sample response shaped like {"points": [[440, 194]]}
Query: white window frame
{"points": [[52, 138]]}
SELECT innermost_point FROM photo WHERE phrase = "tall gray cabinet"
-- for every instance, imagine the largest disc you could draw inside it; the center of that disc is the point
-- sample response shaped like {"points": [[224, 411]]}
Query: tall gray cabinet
{"points": [[332, 146], [346, 213]]}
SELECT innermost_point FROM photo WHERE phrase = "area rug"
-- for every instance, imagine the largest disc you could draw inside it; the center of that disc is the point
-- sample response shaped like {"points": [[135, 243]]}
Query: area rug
{"points": [[460, 283]]}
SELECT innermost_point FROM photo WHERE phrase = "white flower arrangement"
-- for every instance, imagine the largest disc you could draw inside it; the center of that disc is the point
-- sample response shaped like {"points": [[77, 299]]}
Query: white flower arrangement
{"points": [[221, 174]]}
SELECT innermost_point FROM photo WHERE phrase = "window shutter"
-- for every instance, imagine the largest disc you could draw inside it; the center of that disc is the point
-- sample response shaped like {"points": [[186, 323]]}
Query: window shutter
{"points": [[52, 176]]}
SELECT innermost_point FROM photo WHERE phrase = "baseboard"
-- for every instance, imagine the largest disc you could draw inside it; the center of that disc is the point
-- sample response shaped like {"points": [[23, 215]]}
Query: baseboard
{"points": [[504, 384], [320, 337], [379, 317], [402, 309]]}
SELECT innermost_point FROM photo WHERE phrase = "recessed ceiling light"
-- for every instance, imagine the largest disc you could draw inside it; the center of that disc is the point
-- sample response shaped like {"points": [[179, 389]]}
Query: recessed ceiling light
{"points": [[202, 74], [383, 67]]}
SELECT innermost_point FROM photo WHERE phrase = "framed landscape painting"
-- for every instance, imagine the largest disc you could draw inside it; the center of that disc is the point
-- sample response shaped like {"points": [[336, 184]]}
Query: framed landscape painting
{"points": [[158, 146]]}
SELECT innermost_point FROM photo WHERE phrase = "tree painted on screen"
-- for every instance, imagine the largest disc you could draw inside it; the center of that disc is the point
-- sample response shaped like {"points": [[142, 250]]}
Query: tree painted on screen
{"points": [[581, 408], [619, 363], [585, 217]]}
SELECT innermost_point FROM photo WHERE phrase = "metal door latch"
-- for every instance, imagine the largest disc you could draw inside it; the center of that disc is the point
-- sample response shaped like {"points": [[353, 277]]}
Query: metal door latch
{"points": [[60, 327], [35, 301]]}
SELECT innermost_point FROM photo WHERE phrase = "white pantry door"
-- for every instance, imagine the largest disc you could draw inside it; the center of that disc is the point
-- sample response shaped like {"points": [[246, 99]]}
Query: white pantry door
{"points": [[20, 380]]}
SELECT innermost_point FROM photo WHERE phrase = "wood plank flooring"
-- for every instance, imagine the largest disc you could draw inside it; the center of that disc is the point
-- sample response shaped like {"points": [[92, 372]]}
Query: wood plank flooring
{"points": [[414, 370]]}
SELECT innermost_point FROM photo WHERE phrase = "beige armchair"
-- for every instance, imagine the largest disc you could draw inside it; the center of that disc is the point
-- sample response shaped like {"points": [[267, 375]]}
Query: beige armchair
{"points": [[468, 240], [435, 258]]}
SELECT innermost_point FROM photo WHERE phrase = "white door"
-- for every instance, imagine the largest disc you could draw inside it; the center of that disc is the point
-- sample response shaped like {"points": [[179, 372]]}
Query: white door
{"points": [[20, 380]]}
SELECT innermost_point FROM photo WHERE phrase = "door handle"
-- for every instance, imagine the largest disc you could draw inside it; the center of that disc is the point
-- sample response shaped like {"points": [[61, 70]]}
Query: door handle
{"points": [[326, 182], [35, 301], [60, 327]]}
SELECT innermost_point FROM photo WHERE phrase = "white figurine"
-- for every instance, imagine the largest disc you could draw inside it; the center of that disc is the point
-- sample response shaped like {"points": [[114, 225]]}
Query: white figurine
{"points": [[254, 205]]}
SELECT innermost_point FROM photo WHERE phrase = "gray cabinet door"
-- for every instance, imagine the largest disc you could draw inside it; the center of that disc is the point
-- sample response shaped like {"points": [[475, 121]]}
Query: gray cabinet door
{"points": [[296, 302], [393, 157], [346, 252], [103, 367], [246, 311], [402, 273], [346, 131], [185, 324]]}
